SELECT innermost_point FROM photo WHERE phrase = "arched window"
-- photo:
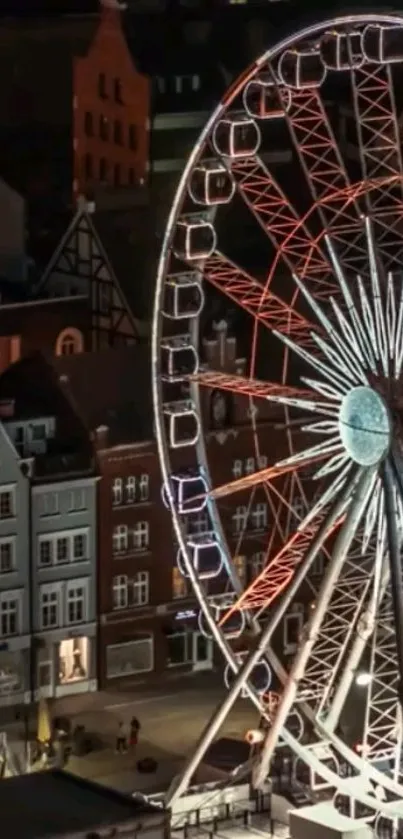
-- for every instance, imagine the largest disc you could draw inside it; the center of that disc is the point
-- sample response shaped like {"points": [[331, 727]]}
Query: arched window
{"points": [[70, 342]]}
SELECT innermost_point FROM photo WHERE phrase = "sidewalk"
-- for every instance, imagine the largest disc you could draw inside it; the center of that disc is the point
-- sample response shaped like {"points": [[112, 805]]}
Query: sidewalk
{"points": [[171, 724]]}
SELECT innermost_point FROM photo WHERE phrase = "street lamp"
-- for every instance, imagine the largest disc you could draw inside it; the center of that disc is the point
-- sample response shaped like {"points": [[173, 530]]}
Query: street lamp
{"points": [[363, 679]]}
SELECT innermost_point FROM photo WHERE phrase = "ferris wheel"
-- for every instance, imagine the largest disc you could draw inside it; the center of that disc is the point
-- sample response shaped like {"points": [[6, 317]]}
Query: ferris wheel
{"points": [[320, 297]]}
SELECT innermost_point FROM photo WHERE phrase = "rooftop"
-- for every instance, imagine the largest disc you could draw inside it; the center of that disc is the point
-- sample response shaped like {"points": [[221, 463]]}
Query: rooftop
{"points": [[110, 388], [56, 803]]}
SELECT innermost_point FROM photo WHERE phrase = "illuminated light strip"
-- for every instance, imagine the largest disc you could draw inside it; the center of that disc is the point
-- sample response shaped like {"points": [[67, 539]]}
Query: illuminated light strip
{"points": [[276, 576]]}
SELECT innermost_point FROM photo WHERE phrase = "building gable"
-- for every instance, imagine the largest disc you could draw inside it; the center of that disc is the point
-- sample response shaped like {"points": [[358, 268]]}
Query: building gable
{"points": [[81, 266]]}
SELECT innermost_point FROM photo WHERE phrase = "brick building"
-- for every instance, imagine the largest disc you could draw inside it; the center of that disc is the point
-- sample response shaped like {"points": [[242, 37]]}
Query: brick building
{"points": [[148, 618]]}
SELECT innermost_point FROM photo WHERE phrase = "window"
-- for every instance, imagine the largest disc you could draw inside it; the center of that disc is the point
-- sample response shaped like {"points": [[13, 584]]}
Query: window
{"points": [[89, 124], [10, 613], [45, 552], [38, 431], [76, 601], [292, 628], [50, 600], [7, 555], [195, 83], [130, 489], [120, 538], [237, 469], [161, 86], [117, 174], [49, 504], [318, 566], [262, 461], [240, 568], [141, 588], [141, 536], [259, 516], [257, 563], [136, 656], [102, 86], [103, 128], [180, 647], [120, 592], [132, 137], [250, 466], [73, 660], [117, 493], [60, 548], [240, 518], [117, 91], [144, 487], [198, 523], [77, 500], [80, 547], [69, 342], [88, 166], [103, 169], [117, 132], [180, 586], [178, 84], [7, 503]]}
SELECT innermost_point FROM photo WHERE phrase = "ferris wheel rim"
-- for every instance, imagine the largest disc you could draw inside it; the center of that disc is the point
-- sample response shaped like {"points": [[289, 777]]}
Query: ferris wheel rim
{"points": [[221, 108]]}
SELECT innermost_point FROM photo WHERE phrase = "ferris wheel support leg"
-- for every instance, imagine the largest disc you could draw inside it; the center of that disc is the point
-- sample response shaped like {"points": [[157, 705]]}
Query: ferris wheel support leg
{"points": [[365, 628], [395, 565], [182, 781], [342, 546]]}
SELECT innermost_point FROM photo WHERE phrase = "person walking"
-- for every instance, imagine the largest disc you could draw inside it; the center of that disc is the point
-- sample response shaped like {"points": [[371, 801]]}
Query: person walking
{"points": [[134, 732], [121, 739]]}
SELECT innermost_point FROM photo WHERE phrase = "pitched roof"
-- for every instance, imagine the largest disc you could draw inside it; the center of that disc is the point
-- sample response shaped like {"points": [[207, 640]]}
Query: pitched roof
{"points": [[111, 388], [32, 387], [56, 803]]}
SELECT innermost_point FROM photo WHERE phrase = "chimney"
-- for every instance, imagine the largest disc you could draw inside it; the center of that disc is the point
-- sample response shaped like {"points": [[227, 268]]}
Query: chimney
{"points": [[101, 436]]}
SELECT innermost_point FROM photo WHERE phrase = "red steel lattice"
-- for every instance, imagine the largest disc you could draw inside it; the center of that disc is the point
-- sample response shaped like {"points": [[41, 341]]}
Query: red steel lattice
{"points": [[245, 386], [279, 572], [264, 306], [277, 217]]}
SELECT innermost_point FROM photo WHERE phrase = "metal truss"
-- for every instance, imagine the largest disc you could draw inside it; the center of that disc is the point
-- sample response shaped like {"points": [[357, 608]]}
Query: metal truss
{"points": [[328, 653], [380, 154], [244, 386], [383, 724], [278, 572], [326, 176], [250, 295], [290, 237]]}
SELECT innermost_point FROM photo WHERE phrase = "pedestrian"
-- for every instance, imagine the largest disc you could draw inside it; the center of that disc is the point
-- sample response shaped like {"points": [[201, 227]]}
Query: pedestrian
{"points": [[121, 739], [134, 732]]}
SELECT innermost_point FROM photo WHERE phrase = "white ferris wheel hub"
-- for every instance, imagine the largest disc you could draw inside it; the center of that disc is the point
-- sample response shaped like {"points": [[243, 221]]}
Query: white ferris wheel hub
{"points": [[365, 426]]}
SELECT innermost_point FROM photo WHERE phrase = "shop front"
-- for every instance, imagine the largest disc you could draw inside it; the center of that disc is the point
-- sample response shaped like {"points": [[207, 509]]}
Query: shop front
{"points": [[187, 646], [66, 665], [14, 676]]}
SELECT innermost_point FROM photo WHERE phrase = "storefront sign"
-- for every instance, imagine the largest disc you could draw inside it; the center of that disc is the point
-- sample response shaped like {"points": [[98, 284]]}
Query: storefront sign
{"points": [[186, 615]]}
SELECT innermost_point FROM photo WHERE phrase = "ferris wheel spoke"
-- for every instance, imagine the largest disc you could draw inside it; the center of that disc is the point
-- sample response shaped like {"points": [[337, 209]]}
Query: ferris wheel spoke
{"points": [[279, 571], [298, 461], [277, 217], [378, 132], [245, 386], [342, 546], [250, 295]]}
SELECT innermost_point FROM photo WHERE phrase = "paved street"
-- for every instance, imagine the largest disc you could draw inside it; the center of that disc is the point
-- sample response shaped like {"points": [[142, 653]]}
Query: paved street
{"points": [[170, 725]]}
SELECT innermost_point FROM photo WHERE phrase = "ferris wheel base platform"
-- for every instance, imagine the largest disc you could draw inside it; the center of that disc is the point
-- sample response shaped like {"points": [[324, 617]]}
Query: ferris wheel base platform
{"points": [[322, 821]]}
